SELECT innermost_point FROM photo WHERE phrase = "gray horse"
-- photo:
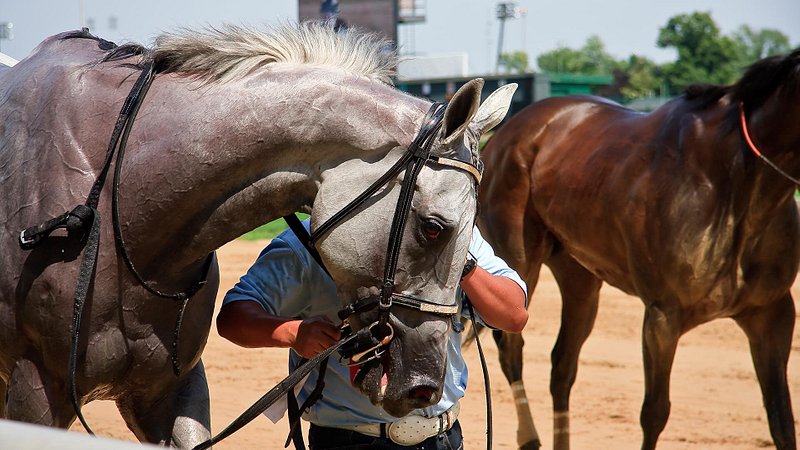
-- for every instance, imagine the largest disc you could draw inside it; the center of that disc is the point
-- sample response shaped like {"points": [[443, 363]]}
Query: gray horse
{"points": [[239, 127]]}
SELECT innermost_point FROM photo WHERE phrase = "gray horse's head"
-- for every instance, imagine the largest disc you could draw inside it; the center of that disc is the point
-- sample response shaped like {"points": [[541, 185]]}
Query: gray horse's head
{"points": [[410, 374]]}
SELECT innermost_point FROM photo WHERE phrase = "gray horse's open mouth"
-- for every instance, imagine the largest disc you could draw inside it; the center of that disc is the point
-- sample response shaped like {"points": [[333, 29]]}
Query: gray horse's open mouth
{"points": [[424, 394], [373, 374]]}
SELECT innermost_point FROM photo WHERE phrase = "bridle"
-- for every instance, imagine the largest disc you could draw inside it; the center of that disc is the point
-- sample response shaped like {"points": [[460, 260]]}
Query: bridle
{"points": [[417, 155], [754, 149]]}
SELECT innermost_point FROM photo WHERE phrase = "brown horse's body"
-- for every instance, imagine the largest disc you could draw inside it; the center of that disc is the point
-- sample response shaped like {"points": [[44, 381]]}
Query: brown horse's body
{"points": [[669, 206]]}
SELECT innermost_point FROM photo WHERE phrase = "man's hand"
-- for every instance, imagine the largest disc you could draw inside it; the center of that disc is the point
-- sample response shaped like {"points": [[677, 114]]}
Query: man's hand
{"points": [[246, 323], [314, 335]]}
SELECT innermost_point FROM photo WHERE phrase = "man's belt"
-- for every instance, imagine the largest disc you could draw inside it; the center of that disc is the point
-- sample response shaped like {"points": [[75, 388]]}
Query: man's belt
{"points": [[411, 429]]}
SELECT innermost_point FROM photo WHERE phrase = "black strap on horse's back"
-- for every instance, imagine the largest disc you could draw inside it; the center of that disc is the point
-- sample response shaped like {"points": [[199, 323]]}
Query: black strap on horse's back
{"points": [[86, 217], [92, 243], [73, 221]]}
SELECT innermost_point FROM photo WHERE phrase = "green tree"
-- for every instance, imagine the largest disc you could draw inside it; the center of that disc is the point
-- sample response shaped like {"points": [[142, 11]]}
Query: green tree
{"points": [[757, 44], [562, 59], [704, 55], [597, 57], [591, 59], [639, 77], [514, 62]]}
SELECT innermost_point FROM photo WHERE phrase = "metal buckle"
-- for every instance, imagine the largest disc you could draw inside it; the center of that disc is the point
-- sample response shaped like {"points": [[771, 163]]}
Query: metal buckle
{"points": [[359, 358], [23, 240]]}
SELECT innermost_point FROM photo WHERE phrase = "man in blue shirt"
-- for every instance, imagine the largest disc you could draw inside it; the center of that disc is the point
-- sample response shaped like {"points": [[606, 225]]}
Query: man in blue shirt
{"points": [[287, 300]]}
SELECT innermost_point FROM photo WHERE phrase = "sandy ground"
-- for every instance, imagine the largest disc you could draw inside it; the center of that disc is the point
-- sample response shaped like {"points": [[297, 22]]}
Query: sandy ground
{"points": [[716, 402]]}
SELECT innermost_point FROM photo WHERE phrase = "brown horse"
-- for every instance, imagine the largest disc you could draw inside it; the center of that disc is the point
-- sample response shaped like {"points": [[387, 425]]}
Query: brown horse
{"points": [[674, 207], [239, 127]]}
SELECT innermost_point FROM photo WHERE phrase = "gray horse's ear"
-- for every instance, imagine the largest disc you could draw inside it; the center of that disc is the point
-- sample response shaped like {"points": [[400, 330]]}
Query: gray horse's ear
{"points": [[493, 109], [460, 110]]}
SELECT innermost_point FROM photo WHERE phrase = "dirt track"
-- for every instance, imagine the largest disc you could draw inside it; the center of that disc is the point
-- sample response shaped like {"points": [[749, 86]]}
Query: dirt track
{"points": [[716, 402]]}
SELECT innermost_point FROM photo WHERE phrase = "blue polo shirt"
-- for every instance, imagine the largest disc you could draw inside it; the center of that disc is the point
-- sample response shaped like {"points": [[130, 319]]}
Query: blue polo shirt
{"points": [[287, 282]]}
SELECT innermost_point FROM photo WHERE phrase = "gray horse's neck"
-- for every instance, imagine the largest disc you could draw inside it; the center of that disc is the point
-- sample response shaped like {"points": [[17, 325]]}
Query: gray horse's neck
{"points": [[253, 151]]}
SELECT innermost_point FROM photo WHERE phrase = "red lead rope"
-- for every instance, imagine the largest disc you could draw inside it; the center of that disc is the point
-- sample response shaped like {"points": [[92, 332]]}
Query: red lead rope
{"points": [[745, 133], [754, 149]]}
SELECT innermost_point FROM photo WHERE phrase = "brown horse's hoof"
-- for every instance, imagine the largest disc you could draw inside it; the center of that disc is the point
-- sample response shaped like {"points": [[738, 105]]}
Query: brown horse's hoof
{"points": [[531, 445]]}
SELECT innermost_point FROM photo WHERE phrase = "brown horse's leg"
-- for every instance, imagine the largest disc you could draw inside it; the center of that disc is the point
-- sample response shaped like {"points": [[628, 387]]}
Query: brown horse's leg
{"points": [[524, 250], [769, 330], [580, 292], [509, 347], [660, 336], [180, 418], [31, 397], [509, 352], [3, 392]]}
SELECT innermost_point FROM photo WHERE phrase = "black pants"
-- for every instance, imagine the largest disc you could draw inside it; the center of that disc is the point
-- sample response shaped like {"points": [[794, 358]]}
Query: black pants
{"points": [[322, 438]]}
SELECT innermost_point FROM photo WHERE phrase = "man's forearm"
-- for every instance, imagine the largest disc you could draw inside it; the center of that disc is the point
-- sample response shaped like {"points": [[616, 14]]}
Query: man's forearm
{"points": [[499, 300], [246, 324]]}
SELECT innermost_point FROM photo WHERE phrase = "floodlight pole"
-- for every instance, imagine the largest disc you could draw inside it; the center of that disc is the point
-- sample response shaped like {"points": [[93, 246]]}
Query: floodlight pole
{"points": [[500, 44], [6, 31], [504, 11]]}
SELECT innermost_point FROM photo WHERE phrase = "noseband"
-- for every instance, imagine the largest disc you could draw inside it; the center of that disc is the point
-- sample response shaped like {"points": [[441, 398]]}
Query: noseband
{"points": [[417, 155]]}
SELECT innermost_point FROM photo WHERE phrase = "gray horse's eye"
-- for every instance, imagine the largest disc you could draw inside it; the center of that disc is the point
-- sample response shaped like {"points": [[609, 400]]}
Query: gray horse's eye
{"points": [[432, 229]]}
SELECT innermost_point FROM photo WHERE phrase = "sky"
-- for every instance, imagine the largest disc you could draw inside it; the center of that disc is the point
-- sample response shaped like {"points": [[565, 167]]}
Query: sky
{"points": [[452, 26]]}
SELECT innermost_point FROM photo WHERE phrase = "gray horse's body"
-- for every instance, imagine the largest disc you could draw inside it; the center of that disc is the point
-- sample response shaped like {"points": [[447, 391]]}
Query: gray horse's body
{"points": [[206, 162]]}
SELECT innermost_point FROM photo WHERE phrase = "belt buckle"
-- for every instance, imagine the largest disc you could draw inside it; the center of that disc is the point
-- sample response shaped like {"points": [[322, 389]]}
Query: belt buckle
{"points": [[413, 429], [408, 434]]}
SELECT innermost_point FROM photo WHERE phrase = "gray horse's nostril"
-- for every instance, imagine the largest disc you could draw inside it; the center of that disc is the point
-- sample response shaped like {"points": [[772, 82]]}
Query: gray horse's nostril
{"points": [[422, 394]]}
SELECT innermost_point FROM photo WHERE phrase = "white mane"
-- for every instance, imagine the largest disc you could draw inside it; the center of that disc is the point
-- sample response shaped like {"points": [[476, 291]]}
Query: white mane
{"points": [[232, 51]]}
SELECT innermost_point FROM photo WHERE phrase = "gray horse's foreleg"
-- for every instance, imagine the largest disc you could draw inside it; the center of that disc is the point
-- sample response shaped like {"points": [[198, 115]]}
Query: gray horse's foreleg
{"points": [[181, 418], [769, 330], [193, 421], [31, 397], [580, 294]]}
